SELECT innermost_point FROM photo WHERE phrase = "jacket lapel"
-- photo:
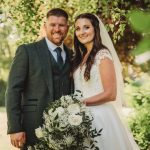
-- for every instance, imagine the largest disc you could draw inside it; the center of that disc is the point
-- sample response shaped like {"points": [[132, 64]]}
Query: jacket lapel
{"points": [[45, 62]]}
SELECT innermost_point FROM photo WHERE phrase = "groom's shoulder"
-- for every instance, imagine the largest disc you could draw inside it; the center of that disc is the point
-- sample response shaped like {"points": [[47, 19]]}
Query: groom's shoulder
{"points": [[31, 46]]}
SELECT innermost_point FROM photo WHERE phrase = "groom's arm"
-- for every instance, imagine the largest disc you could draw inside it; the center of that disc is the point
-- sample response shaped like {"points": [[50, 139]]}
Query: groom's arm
{"points": [[15, 87]]}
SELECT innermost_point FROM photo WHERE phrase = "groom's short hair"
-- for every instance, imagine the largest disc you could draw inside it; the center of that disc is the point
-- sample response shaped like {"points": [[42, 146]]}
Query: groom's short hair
{"points": [[57, 12]]}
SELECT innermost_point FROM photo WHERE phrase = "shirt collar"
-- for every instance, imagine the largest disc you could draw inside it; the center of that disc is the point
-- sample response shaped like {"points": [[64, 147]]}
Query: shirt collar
{"points": [[53, 46]]}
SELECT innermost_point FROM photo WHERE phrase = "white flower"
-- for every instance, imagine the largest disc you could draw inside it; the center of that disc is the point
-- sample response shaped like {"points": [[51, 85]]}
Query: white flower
{"points": [[30, 148], [39, 132], [62, 98], [48, 126], [65, 100], [50, 138], [73, 109], [53, 144], [50, 111], [78, 94], [60, 110], [75, 119], [45, 115], [69, 139], [87, 142], [68, 98], [63, 122], [52, 115], [83, 108], [66, 114]]}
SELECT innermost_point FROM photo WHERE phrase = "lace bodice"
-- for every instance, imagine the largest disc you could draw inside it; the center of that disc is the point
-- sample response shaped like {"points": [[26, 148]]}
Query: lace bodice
{"points": [[94, 85], [105, 116]]}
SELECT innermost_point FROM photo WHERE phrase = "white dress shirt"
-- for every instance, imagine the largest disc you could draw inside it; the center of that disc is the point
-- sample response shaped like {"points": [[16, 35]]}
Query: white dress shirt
{"points": [[52, 47]]}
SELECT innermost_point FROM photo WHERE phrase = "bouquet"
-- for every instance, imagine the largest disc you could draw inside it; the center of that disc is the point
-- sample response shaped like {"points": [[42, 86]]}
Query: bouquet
{"points": [[67, 126]]}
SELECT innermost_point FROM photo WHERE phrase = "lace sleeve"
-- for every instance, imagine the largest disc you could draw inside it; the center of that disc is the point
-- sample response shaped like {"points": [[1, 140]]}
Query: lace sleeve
{"points": [[104, 53]]}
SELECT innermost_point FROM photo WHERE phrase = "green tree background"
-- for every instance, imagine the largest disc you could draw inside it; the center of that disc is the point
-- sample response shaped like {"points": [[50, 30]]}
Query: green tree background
{"points": [[128, 23]]}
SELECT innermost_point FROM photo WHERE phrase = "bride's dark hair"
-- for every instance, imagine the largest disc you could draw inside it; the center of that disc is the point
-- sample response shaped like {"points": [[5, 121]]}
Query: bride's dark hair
{"points": [[80, 49]]}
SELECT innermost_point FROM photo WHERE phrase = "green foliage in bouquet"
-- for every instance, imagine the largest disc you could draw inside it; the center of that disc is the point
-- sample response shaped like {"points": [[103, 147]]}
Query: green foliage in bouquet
{"points": [[67, 126]]}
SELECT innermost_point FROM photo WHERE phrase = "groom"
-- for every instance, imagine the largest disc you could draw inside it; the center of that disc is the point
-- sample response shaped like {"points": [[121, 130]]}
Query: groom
{"points": [[40, 73]]}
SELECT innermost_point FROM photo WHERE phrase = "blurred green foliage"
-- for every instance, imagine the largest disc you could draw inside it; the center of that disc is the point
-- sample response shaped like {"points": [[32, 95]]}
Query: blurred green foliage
{"points": [[2, 92], [114, 14], [138, 94], [7, 46], [140, 21], [140, 126], [29, 15]]}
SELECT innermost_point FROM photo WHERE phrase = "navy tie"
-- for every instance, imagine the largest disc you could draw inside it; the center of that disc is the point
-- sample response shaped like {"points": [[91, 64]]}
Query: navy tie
{"points": [[59, 57]]}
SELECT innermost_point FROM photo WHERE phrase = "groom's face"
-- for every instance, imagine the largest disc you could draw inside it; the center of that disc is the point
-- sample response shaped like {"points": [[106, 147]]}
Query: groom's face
{"points": [[56, 28]]}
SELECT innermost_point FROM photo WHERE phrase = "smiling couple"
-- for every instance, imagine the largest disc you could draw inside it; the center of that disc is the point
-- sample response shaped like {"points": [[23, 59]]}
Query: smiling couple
{"points": [[43, 71]]}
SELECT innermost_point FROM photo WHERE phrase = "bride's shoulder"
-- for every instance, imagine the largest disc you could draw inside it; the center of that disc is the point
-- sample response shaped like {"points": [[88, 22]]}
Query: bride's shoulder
{"points": [[102, 54]]}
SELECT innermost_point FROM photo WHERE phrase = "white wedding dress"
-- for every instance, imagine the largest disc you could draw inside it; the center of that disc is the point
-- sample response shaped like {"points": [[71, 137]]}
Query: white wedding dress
{"points": [[114, 136]]}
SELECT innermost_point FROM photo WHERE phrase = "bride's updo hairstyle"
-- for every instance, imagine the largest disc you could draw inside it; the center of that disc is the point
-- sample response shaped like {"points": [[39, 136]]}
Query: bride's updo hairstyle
{"points": [[80, 49]]}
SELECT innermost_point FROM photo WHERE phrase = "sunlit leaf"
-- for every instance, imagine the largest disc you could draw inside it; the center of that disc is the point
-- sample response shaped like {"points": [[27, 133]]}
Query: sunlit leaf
{"points": [[143, 46], [140, 21]]}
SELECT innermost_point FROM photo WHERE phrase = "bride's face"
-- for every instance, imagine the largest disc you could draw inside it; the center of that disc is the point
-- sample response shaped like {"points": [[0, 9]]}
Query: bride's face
{"points": [[84, 31]]}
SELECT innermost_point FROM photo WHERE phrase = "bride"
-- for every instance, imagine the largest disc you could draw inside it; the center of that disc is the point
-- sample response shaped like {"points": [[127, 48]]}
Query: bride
{"points": [[97, 74]]}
